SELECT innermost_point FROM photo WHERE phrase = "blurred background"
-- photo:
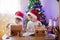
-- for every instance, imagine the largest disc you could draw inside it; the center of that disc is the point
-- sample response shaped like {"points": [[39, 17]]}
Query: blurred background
{"points": [[9, 7]]}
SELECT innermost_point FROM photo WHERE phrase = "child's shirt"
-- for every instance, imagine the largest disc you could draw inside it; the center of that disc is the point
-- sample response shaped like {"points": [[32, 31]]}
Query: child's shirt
{"points": [[31, 25]]}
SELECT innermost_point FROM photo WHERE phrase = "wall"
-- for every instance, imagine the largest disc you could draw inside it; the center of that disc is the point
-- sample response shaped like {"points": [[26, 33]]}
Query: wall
{"points": [[51, 7], [9, 6], [59, 15]]}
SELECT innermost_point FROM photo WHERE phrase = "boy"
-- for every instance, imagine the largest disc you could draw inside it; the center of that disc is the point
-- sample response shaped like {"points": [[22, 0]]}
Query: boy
{"points": [[33, 22], [17, 22]]}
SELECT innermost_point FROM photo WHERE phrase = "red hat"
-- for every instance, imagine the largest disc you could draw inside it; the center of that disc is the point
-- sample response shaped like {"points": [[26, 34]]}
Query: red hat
{"points": [[33, 13], [19, 14]]}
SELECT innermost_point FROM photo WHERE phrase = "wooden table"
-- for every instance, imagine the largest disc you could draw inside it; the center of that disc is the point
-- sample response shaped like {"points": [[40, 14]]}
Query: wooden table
{"points": [[38, 36], [25, 38]]}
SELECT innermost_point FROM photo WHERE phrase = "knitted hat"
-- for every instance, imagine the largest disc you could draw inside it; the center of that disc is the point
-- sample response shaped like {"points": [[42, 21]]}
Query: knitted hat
{"points": [[19, 14], [33, 13]]}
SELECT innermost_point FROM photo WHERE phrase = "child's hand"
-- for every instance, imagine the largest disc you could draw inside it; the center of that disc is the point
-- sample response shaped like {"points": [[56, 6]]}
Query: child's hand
{"points": [[7, 25], [27, 31]]}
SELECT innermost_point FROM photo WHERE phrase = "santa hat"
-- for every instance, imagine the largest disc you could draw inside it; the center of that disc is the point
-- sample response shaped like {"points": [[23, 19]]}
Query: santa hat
{"points": [[19, 14], [33, 13]]}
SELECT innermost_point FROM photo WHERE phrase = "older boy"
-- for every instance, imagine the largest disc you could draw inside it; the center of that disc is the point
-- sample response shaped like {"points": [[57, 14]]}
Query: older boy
{"points": [[33, 22]]}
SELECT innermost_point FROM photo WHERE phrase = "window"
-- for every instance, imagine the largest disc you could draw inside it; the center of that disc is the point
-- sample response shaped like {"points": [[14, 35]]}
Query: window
{"points": [[9, 6]]}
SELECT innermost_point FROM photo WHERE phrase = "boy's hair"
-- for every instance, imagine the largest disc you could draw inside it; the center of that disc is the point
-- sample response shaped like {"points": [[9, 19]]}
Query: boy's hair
{"points": [[29, 15], [18, 18]]}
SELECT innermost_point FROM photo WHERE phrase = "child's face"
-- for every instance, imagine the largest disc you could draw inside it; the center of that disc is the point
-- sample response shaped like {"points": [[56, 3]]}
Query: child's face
{"points": [[17, 20], [31, 18]]}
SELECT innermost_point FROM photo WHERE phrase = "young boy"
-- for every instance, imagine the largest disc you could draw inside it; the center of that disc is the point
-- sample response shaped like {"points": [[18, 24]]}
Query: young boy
{"points": [[17, 22], [33, 22]]}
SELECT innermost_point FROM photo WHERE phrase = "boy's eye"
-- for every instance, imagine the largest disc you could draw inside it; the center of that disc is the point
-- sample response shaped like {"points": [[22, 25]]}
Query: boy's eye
{"points": [[29, 15], [18, 19]]}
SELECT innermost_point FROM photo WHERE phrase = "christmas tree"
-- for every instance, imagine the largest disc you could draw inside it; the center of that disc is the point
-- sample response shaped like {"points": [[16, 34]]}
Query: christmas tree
{"points": [[36, 4]]}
